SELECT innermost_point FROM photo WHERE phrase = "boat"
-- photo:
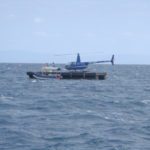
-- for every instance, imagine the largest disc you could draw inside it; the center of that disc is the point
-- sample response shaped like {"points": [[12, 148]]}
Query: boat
{"points": [[50, 69], [67, 75], [75, 70], [42, 76], [47, 72]]}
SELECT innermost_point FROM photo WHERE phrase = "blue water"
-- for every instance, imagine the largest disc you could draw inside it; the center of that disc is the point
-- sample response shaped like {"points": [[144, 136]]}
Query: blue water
{"points": [[113, 114]]}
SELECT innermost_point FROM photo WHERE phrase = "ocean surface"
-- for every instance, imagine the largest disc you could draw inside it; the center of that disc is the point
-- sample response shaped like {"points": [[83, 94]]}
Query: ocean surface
{"points": [[111, 114]]}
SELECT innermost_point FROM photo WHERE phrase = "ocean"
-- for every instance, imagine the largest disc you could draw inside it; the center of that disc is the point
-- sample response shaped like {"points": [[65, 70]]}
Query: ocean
{"points": [[111, 114]]}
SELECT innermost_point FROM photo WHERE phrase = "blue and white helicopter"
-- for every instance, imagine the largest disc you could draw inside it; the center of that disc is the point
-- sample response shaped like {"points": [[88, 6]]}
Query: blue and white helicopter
{"points": [[78, 65]]}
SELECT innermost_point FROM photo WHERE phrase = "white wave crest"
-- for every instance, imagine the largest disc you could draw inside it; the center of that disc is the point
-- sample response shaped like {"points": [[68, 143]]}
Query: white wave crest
{"points": [[2, 97]]}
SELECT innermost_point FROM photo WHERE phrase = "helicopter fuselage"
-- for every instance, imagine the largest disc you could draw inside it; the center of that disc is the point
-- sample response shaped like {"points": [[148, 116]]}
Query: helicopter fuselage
{"points": [[77, 66]]}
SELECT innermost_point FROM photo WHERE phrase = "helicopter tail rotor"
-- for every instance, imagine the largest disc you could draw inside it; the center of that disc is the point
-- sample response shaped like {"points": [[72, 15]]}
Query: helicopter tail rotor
{"points": [[112, 59]]}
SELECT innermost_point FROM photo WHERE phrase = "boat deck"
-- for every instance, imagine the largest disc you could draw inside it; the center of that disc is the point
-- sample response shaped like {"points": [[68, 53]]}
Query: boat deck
{"points": [[72, 75], [83, 75]]}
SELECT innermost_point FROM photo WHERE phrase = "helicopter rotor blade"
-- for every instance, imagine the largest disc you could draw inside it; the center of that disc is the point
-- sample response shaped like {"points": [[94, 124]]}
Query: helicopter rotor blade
{"points": [[63, 54]]}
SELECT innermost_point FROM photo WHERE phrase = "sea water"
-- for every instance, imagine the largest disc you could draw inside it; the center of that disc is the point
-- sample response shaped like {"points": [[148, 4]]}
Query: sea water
{"points": [[111, 114]]}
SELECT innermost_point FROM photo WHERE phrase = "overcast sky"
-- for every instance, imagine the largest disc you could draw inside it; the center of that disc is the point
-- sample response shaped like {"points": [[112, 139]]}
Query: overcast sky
{"points": [[37, 30]]}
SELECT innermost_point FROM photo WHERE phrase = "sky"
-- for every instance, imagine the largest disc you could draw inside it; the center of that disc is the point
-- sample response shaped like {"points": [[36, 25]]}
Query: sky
{"points": [[37, 31]]}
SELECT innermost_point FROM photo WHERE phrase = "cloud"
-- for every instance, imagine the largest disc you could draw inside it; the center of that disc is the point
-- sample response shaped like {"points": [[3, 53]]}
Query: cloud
{"points": [[41, 33], [127, 34], [91, 35], [38, 20], [11, 16]]}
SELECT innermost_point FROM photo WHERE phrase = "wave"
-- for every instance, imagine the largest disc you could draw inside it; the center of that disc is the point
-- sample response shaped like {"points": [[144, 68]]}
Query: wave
{"points": [[2, 97], [146, 101]]}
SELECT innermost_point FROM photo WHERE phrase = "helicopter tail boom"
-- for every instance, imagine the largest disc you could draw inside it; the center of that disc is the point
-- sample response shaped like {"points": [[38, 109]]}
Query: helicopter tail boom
{"points": [[105, 61]]}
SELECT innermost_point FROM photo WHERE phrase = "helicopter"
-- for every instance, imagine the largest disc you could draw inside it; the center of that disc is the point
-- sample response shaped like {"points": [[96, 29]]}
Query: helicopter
{"points": [[78, 65]]}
